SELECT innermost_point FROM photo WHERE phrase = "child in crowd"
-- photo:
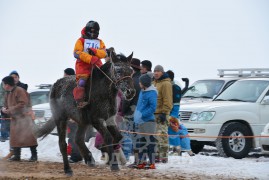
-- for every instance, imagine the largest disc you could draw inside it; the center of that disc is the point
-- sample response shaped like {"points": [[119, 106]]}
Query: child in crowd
{"points": [[178, 137], [145, 121]]}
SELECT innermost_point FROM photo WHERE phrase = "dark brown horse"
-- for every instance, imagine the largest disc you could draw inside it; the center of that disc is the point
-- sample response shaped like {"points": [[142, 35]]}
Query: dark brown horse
{"points": [[101, 90]]}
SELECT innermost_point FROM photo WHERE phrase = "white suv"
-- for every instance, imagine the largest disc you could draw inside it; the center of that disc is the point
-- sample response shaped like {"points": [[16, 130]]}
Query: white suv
{"points": [[241, 110], [206, 89]]}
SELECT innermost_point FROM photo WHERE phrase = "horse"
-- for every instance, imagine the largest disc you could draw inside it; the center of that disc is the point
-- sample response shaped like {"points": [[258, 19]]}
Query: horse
{"points": [[102, 88]]}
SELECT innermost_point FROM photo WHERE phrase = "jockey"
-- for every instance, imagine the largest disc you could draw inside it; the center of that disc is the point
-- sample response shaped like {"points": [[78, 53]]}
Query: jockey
{"points": [[89, 50]]}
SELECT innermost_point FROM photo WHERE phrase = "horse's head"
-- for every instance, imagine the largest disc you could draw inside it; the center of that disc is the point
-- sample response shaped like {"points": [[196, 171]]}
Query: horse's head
{"points": [[122, 74]]}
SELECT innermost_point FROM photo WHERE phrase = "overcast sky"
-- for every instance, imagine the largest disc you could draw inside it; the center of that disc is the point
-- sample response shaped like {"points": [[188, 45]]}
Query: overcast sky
{"points": [[192, 37]]}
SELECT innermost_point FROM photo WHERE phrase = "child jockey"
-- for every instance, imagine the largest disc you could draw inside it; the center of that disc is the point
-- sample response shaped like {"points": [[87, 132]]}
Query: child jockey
{"points": [[88, 51]]}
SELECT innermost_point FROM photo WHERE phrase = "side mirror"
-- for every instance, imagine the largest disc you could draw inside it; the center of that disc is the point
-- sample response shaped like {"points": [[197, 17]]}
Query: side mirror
{"points": [[265, 100]]}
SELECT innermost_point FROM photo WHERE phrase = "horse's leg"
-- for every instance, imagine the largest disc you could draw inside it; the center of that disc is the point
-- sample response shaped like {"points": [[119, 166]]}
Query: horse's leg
{"points": [[108, 140], [114, 131], [61, 128], [80, 136]]}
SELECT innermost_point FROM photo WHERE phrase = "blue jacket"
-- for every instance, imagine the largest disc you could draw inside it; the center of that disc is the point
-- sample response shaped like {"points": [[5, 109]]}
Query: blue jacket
{"points": [[146, 105]]}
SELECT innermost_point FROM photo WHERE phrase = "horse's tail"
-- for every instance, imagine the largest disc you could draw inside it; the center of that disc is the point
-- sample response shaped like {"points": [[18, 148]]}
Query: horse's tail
{"points": [[45, 129]]}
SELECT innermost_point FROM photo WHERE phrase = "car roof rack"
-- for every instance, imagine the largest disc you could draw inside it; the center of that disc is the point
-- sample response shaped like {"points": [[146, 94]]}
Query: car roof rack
{"points": [[244, 72], [44, 86]]}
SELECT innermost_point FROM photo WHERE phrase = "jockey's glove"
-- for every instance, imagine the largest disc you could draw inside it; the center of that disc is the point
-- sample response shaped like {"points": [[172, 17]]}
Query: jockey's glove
{"points": [[92, 51]]}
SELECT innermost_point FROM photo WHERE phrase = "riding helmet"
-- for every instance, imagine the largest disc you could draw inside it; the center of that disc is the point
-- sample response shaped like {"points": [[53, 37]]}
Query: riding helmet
{"points": [[92, 29]]}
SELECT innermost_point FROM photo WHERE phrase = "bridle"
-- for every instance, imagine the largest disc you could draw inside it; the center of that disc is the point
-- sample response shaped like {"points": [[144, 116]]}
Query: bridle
{"points": [[116, 81]]}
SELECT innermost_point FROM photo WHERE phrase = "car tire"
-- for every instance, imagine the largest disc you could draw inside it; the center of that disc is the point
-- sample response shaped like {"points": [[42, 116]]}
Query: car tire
{"points": [[196, 147], [237, 148]]}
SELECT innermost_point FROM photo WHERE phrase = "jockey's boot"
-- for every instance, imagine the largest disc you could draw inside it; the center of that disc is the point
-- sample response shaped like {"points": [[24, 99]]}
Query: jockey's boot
{"points": [[79, 93], [17, 154], [34, 154], [10, 154]]}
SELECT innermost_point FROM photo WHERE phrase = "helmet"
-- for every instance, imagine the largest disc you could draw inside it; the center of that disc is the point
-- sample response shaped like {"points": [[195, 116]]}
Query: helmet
{"points": [[92, 29]]}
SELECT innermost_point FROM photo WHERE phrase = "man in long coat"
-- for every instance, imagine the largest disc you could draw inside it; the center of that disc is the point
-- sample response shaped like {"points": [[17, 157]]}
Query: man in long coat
{"points": [[18, 106]]}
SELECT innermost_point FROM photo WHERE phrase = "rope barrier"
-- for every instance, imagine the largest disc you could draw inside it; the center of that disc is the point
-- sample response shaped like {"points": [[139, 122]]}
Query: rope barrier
{"points": [[222, 137], [5, 118]]}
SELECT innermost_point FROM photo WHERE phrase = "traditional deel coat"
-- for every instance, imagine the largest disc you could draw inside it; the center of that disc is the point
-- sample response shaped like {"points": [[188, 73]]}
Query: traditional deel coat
{"points": [[83, 66], [21, 124]]}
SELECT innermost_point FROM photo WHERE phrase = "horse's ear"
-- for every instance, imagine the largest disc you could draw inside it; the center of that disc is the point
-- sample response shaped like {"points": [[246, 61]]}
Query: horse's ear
{"points": [[129, 58], [113, 56]]}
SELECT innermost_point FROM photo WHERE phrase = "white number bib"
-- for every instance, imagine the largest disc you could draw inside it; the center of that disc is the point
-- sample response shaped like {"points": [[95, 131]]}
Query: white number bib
{"points": [[91, 43]]}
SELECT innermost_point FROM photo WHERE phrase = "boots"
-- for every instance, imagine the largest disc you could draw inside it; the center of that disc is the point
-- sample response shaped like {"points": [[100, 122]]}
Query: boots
{"points": [[79, 93], [34, 154], [17, 154]]}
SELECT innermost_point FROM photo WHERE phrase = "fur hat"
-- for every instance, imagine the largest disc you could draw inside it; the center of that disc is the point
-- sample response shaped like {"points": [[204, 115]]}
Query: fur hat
{"points": [[14, 72], [145, 80], [135, 63], [158, 68]]}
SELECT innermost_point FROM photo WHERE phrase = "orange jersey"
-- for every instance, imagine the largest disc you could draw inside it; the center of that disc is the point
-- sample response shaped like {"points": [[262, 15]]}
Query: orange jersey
{"points": [[83, 63]]}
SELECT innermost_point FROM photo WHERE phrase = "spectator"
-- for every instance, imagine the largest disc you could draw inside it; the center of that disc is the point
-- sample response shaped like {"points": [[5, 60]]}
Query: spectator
{"points": [[72, 148], [145, 120], [18, 106], [177, 94], [69, 72], [178, 137], [145, 66], [164, 106], [16, 77], [128, 108], [6, 124], [88, 51]]}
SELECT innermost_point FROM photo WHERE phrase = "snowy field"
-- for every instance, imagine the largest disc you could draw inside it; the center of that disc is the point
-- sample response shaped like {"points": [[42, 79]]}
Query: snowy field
{"points": [[206, 163]]}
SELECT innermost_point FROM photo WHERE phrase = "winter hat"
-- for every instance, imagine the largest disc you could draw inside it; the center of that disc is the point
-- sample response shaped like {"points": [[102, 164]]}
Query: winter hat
{"points": [[69, 71], [14, 72], [145, 80], [158, 68], [135, 63], [147, 64]]}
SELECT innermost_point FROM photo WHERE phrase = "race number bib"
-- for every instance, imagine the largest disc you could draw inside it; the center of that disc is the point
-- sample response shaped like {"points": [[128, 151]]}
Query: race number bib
{"points": [[91, 43]]}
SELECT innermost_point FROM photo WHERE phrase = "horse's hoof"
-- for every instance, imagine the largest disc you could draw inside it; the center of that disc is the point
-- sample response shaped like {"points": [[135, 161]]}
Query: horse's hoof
{"points": [[91, 163], [68, 172], [114, 167]]}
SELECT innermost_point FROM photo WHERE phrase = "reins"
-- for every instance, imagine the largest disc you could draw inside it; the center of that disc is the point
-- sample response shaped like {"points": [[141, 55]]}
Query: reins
{"points": [[112, 82]]}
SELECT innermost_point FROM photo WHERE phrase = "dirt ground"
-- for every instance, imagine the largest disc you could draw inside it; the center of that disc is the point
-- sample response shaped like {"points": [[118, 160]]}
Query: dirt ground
{"points": [[54, 170]]}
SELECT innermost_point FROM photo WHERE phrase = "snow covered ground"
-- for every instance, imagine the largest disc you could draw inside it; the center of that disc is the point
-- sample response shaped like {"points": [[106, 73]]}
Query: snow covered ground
{"points": [[253, 167]]}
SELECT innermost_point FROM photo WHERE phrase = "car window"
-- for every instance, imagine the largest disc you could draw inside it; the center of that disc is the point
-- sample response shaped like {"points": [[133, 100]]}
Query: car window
{"points": [[205, 88], [39, 97], [249, 91]]}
